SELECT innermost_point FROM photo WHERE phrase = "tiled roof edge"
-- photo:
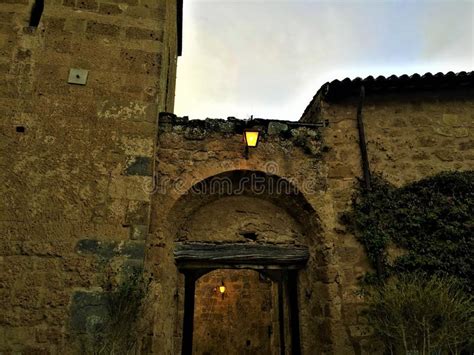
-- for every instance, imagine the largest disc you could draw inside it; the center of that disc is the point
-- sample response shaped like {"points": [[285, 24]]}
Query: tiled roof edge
{"points": [[340, 89]]}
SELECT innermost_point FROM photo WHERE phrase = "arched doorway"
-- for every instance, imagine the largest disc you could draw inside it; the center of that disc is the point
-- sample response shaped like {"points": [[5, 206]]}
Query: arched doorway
{"points": [[265, 224]]}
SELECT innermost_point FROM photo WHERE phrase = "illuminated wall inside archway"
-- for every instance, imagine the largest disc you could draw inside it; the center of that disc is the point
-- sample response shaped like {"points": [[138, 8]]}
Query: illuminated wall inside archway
{"points": [[243, 321]]}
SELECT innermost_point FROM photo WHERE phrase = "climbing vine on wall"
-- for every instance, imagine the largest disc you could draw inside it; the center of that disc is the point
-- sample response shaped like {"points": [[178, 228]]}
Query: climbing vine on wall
{"points": [[431, 220]]}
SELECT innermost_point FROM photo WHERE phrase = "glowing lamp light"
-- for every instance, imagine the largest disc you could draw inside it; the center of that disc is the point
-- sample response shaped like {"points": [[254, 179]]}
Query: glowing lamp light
{"points": [[251, 137], [221, 288]]}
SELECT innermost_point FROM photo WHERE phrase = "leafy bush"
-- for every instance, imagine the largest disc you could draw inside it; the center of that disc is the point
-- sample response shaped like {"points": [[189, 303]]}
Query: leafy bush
{"points": [[416, 314]]}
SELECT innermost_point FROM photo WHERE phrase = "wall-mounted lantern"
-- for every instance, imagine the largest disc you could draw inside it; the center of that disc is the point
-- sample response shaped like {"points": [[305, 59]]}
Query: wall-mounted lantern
{"points": [[251, 138], [221, 289]]}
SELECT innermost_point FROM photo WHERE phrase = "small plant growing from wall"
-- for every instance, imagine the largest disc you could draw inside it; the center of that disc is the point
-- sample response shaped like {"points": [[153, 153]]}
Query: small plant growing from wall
{"points": [[416, 314], [309, 140], [124, 298]]}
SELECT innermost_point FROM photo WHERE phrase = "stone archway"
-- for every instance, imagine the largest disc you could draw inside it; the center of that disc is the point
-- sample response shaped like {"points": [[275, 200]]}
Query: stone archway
{"points": [[246, 208]]}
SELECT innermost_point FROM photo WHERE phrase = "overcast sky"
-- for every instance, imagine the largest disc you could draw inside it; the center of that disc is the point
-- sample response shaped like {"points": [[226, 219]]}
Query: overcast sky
{"points": [[267, 58]]}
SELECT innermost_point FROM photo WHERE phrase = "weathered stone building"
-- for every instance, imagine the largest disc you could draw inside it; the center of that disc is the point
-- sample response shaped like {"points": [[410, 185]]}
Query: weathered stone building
{"points": [[75, 158], [95, 182]]}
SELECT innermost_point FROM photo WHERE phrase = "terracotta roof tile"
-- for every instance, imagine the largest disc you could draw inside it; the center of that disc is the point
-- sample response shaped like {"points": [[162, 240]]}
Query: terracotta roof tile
{"points": [[340, 89]]}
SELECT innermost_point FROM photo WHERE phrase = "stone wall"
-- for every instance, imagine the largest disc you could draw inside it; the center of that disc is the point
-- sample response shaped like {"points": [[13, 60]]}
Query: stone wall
{"points": [[409, 136], [75, 159], [239, 219], [243, 321]]}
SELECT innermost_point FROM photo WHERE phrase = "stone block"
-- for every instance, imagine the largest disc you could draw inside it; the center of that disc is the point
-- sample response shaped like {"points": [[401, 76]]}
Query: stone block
{"points": [[139, 12], [74, 25], [88, 5], [4, 67], [128, 2], [130, 187], [275, 128], [54, 24], [108, 249], [341, 171], [358, 331], [6, 17], [96, 247], [467, 145], [200, 156], [227, 127], [422, 155], [140, 61], [50, 335], [445, 155], [69, 3], [327, 274], [139, 165], [143, 34], [88, 311], [195, 133], [427, 141], [104, 29], [138, 232], [349, 254], [133, 249], [109, 9], [25, 2], [125, 110], [133, 266], [18, 335], [137, 213]]}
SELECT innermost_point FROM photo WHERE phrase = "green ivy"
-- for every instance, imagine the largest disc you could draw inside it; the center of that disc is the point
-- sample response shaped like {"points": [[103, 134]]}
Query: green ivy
{"points": [[432, 220]]}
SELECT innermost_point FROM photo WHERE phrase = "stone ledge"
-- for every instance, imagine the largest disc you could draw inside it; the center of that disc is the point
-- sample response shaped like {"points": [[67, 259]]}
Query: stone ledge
{"points": [[168, 122]]}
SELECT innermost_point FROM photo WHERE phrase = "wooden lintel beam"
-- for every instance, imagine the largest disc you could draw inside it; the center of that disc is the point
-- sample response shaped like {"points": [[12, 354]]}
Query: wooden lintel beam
{"points": [[192, 255]]}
